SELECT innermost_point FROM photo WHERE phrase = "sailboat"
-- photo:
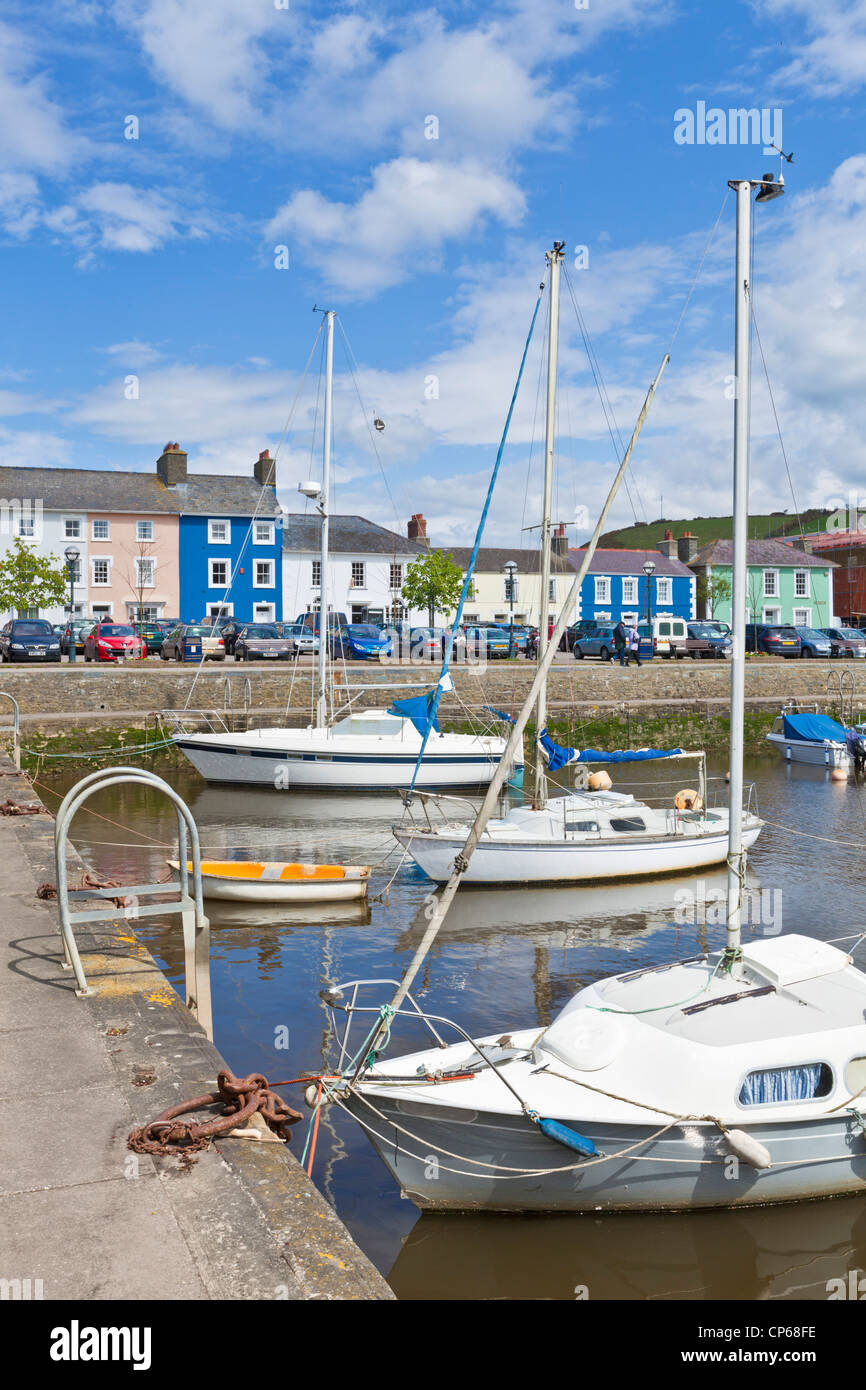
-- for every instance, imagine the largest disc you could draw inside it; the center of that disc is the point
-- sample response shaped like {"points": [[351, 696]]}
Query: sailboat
{"points": [[583, 835], [734, 1078], [368, 749]]}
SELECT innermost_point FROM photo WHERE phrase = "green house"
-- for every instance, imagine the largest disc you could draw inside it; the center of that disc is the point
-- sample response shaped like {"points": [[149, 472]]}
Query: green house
{"points": [[785, 585]]}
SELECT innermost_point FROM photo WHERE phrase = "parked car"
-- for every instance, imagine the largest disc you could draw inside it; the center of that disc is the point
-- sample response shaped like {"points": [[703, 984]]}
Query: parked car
{"points": [[209, 644], [599, 643], [845, 641], [311, 620], [80, 628], [301, 639], [777, 639], [359, 642], [518, 638], [153, 634], [813, 642], [261, 642], [491, 642], [724, 628], [29, 639], [113, 642], [225, 627], [705, 640], [429, 643]]}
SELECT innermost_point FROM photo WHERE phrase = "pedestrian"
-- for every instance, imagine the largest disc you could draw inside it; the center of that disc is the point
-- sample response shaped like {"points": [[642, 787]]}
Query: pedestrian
{"points": [[633, 647], [620, 642]]}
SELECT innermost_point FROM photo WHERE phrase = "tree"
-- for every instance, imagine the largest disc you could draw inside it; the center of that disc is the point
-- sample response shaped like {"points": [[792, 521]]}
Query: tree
{"points": [[433, 582], [712, 590], [28, 580]]}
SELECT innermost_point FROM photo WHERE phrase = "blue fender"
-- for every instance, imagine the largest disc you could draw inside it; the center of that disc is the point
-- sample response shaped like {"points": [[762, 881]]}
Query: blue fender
{"points": [[569, 1137]]}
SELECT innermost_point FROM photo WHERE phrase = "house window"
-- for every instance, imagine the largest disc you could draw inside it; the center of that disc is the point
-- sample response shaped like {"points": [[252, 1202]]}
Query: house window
{"points": [[101, 571], [773, 616], [219, 573], [27, 527], [801, 583], [101, 610], [145, 573], [144, 530], [602, 588], [629, 590], [263, 533], [220, 610], [101, 530], [552, 591], [396, 576], [143, 612], [76, 571], [802, 617], [664, 591], [264, 574], [317, 574], [771, 583], [358, 574], [218, 532], [72, 528]]}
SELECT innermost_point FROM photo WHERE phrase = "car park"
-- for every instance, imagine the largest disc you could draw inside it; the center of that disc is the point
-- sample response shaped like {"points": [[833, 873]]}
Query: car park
{"points": [[261, 642], [813, 643], [845, 641], [429, 643], [178, 643], [29, 639], [491, 642], [110, 641], [776, 639], [705, 640]]}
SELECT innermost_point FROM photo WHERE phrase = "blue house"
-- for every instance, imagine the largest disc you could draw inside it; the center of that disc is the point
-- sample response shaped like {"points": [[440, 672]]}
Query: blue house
{"points": [[229, 542], [615, 586]]}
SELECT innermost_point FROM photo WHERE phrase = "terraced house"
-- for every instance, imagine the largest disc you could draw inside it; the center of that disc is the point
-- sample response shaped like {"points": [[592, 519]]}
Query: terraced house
{"points": [[784, 584]]}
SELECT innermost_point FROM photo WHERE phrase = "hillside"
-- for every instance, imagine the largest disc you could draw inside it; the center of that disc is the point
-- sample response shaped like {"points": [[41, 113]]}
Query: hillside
{"points": [[711, 528]]}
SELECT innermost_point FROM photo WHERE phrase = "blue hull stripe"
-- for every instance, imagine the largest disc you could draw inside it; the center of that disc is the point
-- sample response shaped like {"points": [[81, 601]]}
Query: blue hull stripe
{"points": [[364, 758]]}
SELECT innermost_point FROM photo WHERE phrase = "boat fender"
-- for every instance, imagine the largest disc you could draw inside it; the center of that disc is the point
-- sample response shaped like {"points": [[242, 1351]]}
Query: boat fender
{"points": [[569, 1137], [311, 1095], [688, 800], [743, 1146]]}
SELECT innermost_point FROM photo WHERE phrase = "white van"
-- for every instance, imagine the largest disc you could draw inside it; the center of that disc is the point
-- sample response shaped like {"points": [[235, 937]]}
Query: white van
{"points": [[669, 635]]}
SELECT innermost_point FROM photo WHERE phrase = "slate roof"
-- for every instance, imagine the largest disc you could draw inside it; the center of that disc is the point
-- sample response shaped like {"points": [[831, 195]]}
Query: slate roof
{"points": [[109, 490], [774, 553], [347, 535], [491, 559], [629, 562]]}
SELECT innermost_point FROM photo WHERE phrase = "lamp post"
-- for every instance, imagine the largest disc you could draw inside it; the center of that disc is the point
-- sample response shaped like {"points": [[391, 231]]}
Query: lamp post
{"points": [[649, 570], [71, 554], [510, 568]]}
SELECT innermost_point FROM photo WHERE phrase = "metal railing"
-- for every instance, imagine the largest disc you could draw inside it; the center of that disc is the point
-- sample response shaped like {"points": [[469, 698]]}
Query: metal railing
{"points": [[195, 925], [16, 730], [247, 696]]}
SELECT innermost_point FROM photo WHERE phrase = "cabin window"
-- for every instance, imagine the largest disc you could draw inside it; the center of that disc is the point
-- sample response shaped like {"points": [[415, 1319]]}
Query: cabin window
{"points": [[626, 823], [581, 825], [777, 1084], [855, 1075]]}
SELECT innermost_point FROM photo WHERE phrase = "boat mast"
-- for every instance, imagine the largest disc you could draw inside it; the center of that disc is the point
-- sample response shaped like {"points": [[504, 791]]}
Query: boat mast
{"points": [[554, 260], [321, 690]]}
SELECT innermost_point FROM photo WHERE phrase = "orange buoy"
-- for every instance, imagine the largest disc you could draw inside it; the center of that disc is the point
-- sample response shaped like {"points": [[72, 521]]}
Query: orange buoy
{"points": [[688, 800], [599, 782]]}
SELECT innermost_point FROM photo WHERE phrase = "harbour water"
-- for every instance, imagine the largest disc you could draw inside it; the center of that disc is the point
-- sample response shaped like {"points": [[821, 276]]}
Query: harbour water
{"points": [[505, 958]]}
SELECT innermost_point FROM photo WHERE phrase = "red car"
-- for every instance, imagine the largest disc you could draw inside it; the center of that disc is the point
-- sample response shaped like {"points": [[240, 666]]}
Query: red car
{"points": [[113, 642]]}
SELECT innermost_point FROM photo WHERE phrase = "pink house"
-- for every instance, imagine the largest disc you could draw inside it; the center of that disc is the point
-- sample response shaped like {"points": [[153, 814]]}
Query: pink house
{"points": [[132, 561]]}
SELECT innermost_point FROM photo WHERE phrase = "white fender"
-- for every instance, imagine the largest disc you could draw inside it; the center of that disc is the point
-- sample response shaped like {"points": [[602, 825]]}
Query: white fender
{"points": [[743, 1146]]}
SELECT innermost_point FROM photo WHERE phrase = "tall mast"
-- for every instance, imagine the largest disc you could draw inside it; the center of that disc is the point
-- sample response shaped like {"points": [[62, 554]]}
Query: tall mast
{"points": [[554, 260], [321, 692], [736, 858]]}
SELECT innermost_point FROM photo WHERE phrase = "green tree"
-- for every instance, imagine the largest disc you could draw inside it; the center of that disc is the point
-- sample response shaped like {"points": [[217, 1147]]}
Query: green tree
{"points": [[434, 582], [711, 591], [28, 580]]}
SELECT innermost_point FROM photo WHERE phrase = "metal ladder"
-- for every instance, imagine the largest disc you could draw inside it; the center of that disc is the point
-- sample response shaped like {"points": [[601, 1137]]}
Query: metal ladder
{"points": [[846, 692], [195, 925], [16, 732]]}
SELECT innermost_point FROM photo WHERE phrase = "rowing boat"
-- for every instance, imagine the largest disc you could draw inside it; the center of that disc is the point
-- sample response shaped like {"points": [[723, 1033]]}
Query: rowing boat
{"points": [[235, 880]]}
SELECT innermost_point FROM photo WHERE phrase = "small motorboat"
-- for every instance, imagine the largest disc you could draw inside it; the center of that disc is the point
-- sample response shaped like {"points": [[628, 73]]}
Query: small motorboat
{"points": [[273, 881]]}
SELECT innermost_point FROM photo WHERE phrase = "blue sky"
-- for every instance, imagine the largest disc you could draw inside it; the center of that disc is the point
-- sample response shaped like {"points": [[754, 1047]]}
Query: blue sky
{"points": [[304, 126]]}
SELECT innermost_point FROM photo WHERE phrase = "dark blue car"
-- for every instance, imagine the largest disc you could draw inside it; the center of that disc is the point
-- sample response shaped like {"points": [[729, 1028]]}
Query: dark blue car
{"points": [[359, 642]]}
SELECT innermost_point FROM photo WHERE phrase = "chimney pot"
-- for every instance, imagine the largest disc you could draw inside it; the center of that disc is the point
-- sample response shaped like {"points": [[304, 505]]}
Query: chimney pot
{"points": [[171, 465], [417, 528]]}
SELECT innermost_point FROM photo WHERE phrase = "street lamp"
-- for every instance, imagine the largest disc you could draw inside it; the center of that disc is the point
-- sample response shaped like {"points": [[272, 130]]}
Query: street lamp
{"points": [[71, 554], [510, 568], [649, 570]]}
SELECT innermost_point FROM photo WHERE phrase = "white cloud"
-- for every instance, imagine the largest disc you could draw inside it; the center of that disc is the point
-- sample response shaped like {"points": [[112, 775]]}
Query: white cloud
{"points": [[118, 217], [833, 57], [33, 133], [410, 209], [134, 353]]}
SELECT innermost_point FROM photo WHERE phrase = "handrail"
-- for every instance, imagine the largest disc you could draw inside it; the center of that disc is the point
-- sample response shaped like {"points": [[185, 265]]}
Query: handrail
{"points": [[16, 731], [195, 925]]}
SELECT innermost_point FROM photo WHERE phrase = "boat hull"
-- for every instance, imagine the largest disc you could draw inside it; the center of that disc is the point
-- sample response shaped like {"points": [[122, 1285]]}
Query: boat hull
{"points": [[562, 861], [822, 754], [229, 890], [809, 1159], [335, 771]]}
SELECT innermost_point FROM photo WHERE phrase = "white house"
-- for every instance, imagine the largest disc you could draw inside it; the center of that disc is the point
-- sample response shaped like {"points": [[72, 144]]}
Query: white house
{"points": [[367, 568], [48, 531]]}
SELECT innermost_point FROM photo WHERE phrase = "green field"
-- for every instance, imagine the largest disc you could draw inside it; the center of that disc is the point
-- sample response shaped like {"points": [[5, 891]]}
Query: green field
{"points": [[712, 528]]}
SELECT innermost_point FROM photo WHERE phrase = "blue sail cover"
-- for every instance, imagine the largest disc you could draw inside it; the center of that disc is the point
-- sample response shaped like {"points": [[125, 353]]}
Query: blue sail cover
{"points": [[500, 714], [816, 727], [420, 710], [558, 757]]}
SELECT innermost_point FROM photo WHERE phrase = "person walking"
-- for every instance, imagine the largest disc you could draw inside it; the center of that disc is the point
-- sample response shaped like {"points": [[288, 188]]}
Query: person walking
{"points": [[620, 642], [633, 647]]}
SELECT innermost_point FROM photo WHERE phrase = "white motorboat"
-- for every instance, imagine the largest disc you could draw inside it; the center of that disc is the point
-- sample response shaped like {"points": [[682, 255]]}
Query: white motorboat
{"points": [[735, 1078], [580, 837], [805, 736]]}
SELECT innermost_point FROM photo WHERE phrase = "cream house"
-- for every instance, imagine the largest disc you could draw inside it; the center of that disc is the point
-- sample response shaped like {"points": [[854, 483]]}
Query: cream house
{"points": [[488, 597]]}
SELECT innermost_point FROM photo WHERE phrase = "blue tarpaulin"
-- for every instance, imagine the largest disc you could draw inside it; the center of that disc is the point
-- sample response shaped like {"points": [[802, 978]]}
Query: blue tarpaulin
{"points": [[813, 726], [418, 709], [558, 757], [500, 714]]}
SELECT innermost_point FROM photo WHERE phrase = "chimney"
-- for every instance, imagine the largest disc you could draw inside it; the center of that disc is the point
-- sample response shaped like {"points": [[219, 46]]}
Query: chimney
{"points": [[559, 540], [687, 547], [264, 469], [417, 529], [668, 546], [171, 465]]}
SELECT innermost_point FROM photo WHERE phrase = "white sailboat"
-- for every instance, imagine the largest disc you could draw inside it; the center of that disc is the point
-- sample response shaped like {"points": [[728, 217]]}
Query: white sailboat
{"points": [[732, 1079], [584, 835], [366, 750]]}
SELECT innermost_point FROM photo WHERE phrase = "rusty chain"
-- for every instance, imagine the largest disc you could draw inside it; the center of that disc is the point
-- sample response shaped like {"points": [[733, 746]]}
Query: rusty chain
{"points": [[240, 1099]]}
